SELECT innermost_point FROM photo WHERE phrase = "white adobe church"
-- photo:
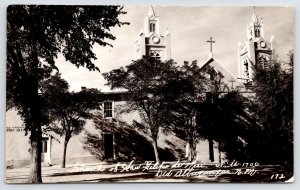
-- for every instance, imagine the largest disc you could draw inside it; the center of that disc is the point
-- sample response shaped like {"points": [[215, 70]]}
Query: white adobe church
{"points": [[151, 43]]}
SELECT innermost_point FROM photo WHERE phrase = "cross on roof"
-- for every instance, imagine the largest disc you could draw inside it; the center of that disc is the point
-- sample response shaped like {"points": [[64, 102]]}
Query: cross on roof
{"points": [[211, 42], [232, 81]]}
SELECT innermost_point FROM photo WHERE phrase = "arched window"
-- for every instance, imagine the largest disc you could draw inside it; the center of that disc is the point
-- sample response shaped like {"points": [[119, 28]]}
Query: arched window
{"points": [[152, 27], [257, 32]]}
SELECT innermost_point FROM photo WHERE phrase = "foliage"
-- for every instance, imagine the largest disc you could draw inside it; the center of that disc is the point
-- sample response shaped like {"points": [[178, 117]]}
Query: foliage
{"points": [[273, 108], [68, 110], [225, 119], [156, 88], [35, 36]]}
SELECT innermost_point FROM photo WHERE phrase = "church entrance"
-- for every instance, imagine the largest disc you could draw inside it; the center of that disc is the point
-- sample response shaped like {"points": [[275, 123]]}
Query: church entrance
{"points": [[45, 149], [108, 139]]}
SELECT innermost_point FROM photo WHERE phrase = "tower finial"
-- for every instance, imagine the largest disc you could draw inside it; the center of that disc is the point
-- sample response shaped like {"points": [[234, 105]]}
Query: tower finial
{"points": [[254, 17], [151, 12]]}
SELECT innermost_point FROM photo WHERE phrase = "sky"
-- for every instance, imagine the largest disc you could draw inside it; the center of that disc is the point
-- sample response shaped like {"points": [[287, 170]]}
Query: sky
{"points": [[190, 27]]}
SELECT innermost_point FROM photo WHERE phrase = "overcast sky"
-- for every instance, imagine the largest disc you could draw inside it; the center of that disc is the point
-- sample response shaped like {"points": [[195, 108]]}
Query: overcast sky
{"points": [[190, 28]]}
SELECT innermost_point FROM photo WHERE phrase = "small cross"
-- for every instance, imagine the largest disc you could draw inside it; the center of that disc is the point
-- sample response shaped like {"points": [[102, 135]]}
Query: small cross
{"points": [[232, 81], [211, 42]]}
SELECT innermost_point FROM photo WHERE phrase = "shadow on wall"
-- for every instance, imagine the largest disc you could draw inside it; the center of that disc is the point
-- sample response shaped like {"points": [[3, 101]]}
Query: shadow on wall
{"points": [[130, 143]]}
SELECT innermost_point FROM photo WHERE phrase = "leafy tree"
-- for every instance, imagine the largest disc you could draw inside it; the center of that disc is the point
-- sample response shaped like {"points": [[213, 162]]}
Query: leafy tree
{"points": [[156, 88], [68, 110], [187, 105], [222, 116], [273, 109], [35, 35], [225, 119]]}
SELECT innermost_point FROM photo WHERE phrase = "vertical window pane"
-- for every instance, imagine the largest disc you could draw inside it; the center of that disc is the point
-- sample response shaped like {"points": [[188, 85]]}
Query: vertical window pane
{"points": [[108, 109]]}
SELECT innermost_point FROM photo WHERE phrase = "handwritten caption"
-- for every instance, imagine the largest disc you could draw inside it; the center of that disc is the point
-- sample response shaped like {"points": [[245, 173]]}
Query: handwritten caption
{"points": [[174, 169]]}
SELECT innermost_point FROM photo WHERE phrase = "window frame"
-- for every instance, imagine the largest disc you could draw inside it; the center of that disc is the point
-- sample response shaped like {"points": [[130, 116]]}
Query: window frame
{"points": [[156, 55], [111, 109]]}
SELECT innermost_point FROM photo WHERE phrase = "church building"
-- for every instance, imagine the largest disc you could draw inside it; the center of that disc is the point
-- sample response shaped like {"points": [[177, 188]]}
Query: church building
{"points": [[119, 140]]}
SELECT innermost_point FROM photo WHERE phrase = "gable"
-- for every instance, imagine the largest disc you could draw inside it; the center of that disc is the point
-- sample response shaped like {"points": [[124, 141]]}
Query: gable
{"points": [[229, 79]]}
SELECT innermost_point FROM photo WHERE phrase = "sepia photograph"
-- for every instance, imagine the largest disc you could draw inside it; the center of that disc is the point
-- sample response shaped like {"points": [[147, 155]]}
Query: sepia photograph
{"points": [[156, 94]]}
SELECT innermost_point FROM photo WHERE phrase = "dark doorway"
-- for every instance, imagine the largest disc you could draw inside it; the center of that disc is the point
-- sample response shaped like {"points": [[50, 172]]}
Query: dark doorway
{"points": [[211, 150], [108, 140]]}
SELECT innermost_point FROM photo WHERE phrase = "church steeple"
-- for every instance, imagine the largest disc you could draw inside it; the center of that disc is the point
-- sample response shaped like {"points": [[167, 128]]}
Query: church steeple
{"points": [[255, 50], [254, 17], [150, 42], [151, 23], [255, 29], [151, 12]]}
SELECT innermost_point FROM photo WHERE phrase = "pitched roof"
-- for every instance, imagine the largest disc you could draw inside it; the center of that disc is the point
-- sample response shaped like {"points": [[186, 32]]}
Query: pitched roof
{"points": [[227, 76]]}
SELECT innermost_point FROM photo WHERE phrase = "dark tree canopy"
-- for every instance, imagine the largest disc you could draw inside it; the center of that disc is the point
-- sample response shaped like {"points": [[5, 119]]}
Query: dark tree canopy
{"points": [[35, 36], [273, 108]]}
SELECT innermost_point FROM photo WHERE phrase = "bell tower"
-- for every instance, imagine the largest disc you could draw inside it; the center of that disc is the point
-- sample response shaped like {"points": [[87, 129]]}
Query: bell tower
{"points": [[151, 42], [255, 28], [255, 50], [151, 23]]}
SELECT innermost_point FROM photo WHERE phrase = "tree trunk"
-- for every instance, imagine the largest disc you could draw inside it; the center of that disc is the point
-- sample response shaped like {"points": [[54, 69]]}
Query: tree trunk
{"points": [[35, 175], [63, 164], [155, 148], [192, 149]]}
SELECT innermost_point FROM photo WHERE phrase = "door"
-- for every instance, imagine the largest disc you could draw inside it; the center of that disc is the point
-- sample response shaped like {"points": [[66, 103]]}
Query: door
{"points": [[44, 149], [108, 146]]}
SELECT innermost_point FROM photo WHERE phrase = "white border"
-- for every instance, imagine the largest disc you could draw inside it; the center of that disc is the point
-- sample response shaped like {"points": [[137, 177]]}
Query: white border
{"points": [[3, 5]]}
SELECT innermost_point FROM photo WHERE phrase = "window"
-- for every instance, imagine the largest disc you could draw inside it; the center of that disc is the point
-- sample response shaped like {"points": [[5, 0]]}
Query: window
{"points": [[257, 32], [108, 109], [246, 70], [155, 55], [152, 27], [263, 61]]}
